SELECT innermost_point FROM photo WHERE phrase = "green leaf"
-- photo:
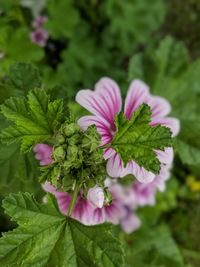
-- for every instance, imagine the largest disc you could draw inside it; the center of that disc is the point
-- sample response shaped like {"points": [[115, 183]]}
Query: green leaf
{"points": [[45, 237], [127, 27], [169, 74], [136, 139], [153, 247], [61, 13], [23, 77], [169, 60], [35, 118], [17, 170], [17, 46]]}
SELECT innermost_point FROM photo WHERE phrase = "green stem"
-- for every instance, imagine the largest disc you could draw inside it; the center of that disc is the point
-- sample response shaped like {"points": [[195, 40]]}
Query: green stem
{"points": [[73, 199]]}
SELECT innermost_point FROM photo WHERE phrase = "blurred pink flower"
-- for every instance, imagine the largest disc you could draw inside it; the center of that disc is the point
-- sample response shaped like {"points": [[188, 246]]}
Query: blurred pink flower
{"points": [[145, 194], [43, 153], [39, 21], [130, 222], [105, 103], [39, 36]]}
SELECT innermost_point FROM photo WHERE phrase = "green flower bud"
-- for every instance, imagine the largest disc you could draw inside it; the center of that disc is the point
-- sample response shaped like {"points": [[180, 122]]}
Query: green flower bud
{"points": [[74, 139], [67, 165], [59, 153], [72, 152], [91, 139], [60, 139], [78, 161], [97, 156], [71, 129]]}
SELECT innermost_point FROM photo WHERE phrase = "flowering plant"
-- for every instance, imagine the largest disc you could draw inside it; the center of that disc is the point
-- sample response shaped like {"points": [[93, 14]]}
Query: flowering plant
{"points": [[83, 165]]}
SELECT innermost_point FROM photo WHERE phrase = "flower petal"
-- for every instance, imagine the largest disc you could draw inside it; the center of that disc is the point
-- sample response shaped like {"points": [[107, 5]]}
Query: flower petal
{"points": [[96, 196], [104, 102], [160, 180], [130, 223], [137, 94], [43, 153], [63, 198], [145, 193], [172, 123], [160, 107], [110, 92], [113, 213], [108, 153], [115, 167], [140, 173], [166, 156], [102, 125]]}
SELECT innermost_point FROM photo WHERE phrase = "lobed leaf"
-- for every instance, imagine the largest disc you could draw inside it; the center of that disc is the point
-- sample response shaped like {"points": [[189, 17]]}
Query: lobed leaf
{"points": [[45, 237], [35, 118], [136, 139]]}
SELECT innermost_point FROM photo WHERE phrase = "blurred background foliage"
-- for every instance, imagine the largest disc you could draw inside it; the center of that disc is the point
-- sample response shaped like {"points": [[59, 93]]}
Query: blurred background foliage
{"points": [[157, 41]]}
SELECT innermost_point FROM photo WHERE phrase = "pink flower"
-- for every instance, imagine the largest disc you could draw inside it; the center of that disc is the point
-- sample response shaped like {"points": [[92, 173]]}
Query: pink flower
{"points": [[96, 196], [43, 153], [130, 222], [85, 212], [39, 21], [145, 194], [39, 36], [114, 211], [105, 103]]}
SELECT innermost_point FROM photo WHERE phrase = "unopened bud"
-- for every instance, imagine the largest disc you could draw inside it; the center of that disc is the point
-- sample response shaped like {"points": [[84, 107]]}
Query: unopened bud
{"points": [[72, 152], [71, 129], [60, 139], [91, 139], [96, 196], [59, 153], [67, 165], [74, 139]]}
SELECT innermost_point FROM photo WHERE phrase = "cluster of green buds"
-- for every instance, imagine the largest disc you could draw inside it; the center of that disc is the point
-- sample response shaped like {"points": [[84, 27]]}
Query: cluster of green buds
{"points": [[77, 158]]}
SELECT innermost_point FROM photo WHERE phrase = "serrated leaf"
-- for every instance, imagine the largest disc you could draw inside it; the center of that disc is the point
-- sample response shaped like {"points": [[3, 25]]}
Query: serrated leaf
{"points": [[136, 139], [23, 77], [45, 237], [35, 119], [17, 171]]}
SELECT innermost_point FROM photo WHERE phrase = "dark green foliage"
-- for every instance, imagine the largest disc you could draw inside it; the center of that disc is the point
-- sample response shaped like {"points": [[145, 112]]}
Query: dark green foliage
{"points": [[153, 247], [47, 238], [35, 118]]}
